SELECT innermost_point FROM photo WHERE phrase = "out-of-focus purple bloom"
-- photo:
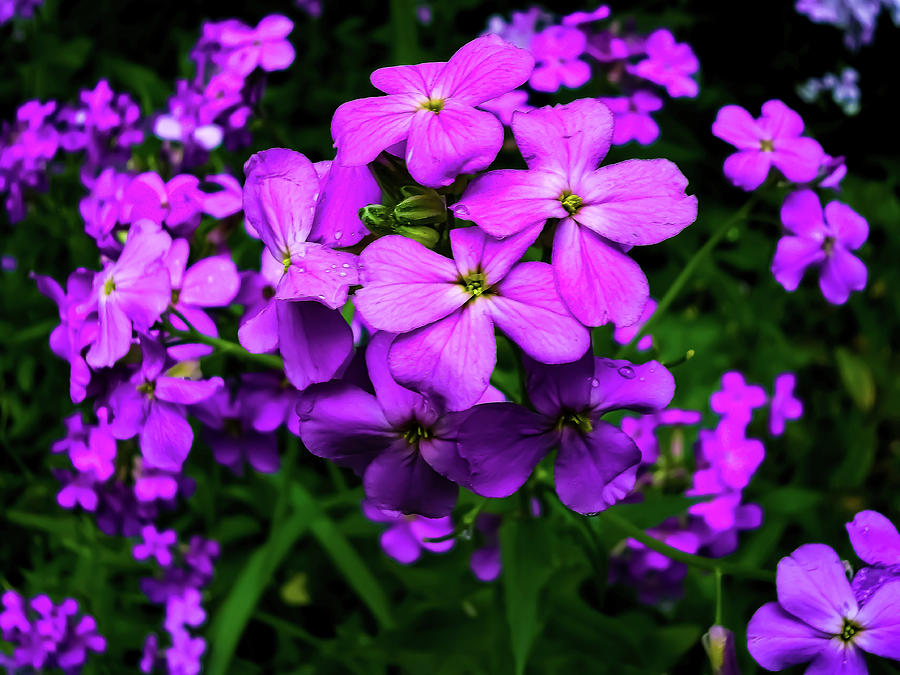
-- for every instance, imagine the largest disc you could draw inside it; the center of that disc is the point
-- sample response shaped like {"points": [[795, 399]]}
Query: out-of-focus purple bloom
{"points": [[643, 429], [92, 449], [265, 46], [18, 9], [625, 334], [632, 117], [8, 263], [877, 543], [184, 610], [103, 208], [733, 456], [522, 27], [773, 139], [857, 18], [580, 18], [601, 210], [46, 636], [597, 463], [446, 310], [485, 562], [155, 544], [183, 657], [821, 238], [818, 620], [405, 537], [176, 203], [26, 147], [784, 405], [225, 202], [736, 400], [556, 50], [669, 64], [311, 7], [832, 172], [150, 654], [432, 107]]}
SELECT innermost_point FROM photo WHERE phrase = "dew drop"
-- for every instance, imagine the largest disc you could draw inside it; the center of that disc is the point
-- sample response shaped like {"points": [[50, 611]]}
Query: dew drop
{"points": [[461, 210], [338, 234], [333, 266], [321, 297], [343, 274], [345, 265], [301, 269], [595, 382], [627, 372]]}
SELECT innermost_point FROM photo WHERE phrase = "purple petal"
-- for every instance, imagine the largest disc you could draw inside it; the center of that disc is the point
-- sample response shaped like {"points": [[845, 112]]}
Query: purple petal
{"points": [[451, 359], [167, 437], [399, 543], [483, 69], [598, 283], [792, 256], [813, 587], [748, 169], [280, 198], [566, 139], [507, 201], [595, 470], [343, 423], [503, 442], [430, 528], [400, 480], [636, 202], [114, 337], [315, 342], [619, 385], [458, 139], [554, 389], [414, 79], [211, 282], [801, 214], [475, 251], [778, 640], [259, 332], [838, 658], [851, 229], [874, 538], [798, 159], [736, 126], [345, 191], [319, 273], [363, 128], [485, 563], [841, 273], [405, 285], [779, 121], [880, 619], [177, 390], [276, 55], [400, 405], [528, 309]]}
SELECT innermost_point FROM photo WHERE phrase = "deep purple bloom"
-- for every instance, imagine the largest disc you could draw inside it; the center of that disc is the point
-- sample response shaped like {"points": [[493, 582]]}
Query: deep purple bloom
{"points": [[773, 139], [736, 400], [877, 543], [431, 106], [632, 117], [636, 202], [784, 405], [823, 239], [556, 50], [817, 619], [402, 443], [446, 310], [596, 463], [485, 562], [265, 46], [669, 64], [405, 537]]}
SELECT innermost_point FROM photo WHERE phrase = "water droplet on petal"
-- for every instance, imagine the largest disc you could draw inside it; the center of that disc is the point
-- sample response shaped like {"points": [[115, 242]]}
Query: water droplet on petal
{"points": [[345, 265], [343, 274], [333, 266], [627, 372], [338, 234], [461, 210], [595, 382]]}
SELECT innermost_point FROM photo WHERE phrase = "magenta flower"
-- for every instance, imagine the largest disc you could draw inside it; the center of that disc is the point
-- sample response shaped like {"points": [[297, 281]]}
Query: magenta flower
{"points": [[669, 64], [625, 334], [556, 50], [636, 202], [823, 239], [784, 405], [431, 106], [405, 537], [579, 18], [736, 400], [446, 310], [130, 293], [596, 464], [177, 203], [506, 104], [817, 619], [485, 562], [265, 46], [632, 117], [773, 139], [877, 543], [155, 544]]}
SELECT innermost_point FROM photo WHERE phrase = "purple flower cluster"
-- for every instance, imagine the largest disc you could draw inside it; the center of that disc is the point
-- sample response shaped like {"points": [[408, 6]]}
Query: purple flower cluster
{"points": [[26, 148], [564, 49], [815, 237], [18, 9], [857, 18], [823, 618], [45, 635]]}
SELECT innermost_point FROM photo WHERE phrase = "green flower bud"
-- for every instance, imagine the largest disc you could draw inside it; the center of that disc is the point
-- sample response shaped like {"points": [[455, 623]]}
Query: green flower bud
{"points": [[423, 234], [421, 206], [378, 219]]}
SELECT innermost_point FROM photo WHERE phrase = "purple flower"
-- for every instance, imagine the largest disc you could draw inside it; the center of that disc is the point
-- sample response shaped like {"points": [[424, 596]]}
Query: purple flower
{"points": [[431, 106], [636, 202], [669, 64], [521, 29], [823, 239], [184, 610], [402, 443], [580, 18], [773, 139], [103, 207], [643, 429], [26, 147], [130, 294], [876, 541], [596, 463], [405, 538], [506, 104], [177, 204], [225, 202], [817, 619], [632, 117], [183, 657], [784, 405], [625, 334], [155, 544], [446, 310], [556, 50], [736, 400], [265, 46], [734, 457], [18, 9], [485, 562]]}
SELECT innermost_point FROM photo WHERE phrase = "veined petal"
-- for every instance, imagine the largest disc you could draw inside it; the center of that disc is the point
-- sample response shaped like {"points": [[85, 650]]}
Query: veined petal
{"points": [[415, 79], [838, 658], [880, 620], [178, 390], [483, 69], [636, 202], [114, 337], [451, 360], [345, 190], [319, 273], [813, 587], [620, 385], [361, 129], [874, 538], [507, 201], [314, 341], [458, 139], [473, 250], [554, 389], [527, 307], [595, 470], [399, 404], [778, 640], [598, 283]]}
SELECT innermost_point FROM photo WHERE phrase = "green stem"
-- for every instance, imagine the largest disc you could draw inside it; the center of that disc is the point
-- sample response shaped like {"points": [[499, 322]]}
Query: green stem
{"points": [[688, 271], [226, 346], [719, 594], [465, 523], [721, 566]]}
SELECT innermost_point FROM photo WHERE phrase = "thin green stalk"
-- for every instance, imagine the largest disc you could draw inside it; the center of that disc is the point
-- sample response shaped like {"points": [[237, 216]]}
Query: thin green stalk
{"points": [[688, 271], [719, 596], [226, 346], [722, 566]]}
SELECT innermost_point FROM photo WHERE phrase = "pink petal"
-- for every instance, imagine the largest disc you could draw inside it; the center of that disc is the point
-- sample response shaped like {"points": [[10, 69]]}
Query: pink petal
{"points": [[399, 543], [841, 273], [363, 128], [801, 213], [779, 121], [473, 250], [113, 338], [851, 229], [874, 538], [319, 273], [259, 333], [747, 169], [736, 126], [483, 69], [798, 159], [211, 282], [178, 390], [315, 342], [417, 79], [274, 27], [345, 190], [276, 56], [792, 256]]}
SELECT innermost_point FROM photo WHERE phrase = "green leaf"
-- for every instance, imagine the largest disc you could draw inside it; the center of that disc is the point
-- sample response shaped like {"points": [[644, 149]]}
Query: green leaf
{"points": [[669, 644], [525, 547], [790, 500], [344, 556], [656, 508], [857, 378]]}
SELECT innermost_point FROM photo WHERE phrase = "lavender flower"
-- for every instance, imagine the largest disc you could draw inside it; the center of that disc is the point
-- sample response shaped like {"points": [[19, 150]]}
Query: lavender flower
{"points": [[876, 541], [784, 405], [669, 64], [632, 117], [556, 50], [405, 537]]}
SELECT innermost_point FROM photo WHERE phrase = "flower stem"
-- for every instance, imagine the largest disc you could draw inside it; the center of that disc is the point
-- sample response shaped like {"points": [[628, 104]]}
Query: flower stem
{"points": [[688, 271], [226, 346], [718, 597], [719, 566]]}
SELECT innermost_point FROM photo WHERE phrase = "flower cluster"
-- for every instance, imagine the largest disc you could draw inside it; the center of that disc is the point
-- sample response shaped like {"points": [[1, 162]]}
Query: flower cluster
{"points": [[815, 237], [46, 635], [566, 48], [857, 18], [17, 9], [844, 89]]}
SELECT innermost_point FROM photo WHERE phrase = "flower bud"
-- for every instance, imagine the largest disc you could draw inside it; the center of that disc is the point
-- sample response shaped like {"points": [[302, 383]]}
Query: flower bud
{"points": [[719, 646], [420, 206], [423, 234], [378, 219]]}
